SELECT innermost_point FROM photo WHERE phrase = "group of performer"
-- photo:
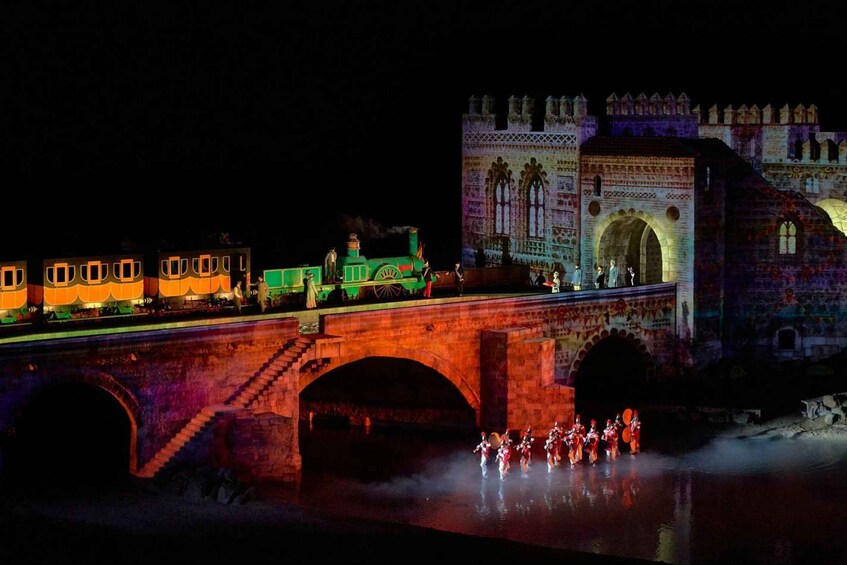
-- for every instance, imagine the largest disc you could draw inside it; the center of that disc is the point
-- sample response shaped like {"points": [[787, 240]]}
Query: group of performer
{"points": [[574, 442]]}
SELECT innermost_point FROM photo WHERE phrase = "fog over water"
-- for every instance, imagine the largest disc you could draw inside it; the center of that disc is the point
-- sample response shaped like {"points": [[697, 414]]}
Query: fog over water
{"points": [[755, 500]]}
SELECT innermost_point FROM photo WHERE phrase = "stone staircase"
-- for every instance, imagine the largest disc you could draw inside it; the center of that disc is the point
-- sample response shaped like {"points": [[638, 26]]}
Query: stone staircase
{"points": [[289, 355]]}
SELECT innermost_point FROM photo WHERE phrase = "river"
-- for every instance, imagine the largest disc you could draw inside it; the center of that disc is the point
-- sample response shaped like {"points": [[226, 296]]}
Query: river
{"points": [[680, 501]]}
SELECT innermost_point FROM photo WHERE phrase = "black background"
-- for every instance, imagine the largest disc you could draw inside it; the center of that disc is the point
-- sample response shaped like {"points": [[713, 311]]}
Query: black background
{"points": [[286, 125]]}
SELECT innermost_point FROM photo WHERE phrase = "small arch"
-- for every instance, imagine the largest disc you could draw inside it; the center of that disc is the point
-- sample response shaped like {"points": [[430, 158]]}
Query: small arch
{"points": [[616, 366], [598, 186], [787, 342]]}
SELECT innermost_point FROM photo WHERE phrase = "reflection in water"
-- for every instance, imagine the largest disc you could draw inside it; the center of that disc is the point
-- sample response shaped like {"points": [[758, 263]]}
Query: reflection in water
{"points": [[754, 500]]}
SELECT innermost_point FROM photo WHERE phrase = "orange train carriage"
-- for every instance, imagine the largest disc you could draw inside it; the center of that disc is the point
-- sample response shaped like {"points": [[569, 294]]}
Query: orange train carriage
{"points": [[69, 288]]}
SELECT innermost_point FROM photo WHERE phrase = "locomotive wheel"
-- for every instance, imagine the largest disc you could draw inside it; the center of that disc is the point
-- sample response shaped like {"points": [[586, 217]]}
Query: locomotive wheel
{"points": [[387, 289]]}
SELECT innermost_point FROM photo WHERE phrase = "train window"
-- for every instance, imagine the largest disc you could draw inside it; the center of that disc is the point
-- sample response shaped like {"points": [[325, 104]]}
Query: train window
{"points": [[215, 264], [12, 277], [183, 266], [60, 274], [94, 271], [242, 263], [201, 265], [171, 267], [127, 269], [226, 263]]}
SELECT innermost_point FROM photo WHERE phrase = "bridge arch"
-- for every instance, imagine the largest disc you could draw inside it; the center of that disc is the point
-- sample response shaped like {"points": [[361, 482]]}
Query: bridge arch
{"points": [[426, 358], [612, 364], [635, 238], [106, 385]]}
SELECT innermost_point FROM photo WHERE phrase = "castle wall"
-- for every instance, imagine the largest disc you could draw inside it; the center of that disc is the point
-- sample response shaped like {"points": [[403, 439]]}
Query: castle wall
{"points": [[800, 292]]}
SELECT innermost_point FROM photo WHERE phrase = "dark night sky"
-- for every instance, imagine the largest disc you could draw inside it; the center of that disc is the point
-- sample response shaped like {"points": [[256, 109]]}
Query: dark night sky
{"points": [[174, 121]]}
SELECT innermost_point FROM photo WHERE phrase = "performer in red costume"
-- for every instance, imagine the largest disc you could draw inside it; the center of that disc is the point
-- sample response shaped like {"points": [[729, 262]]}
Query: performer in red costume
{"points": [[525, 449], [574, 442], [592, 441], [635, 433], [484, 450], [553, 447], [578, 438], [504, 454], [610, 437]]}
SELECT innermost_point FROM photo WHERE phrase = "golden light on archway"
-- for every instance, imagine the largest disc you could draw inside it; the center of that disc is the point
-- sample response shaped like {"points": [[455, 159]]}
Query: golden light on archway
{"points": [[837, 212]]}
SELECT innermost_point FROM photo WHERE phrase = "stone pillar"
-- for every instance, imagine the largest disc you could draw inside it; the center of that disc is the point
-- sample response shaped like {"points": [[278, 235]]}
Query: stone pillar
{"points": [[518, 385], [260, 447]]}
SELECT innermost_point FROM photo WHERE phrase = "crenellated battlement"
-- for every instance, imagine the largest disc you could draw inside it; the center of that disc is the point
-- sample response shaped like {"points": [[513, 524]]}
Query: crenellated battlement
{"points": [[670, 105], [642, 105], [522, 113], [799, 115]]}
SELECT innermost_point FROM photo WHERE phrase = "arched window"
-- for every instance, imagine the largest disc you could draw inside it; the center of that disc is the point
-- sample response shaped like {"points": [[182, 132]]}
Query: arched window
{"points": [[787, 238], [502, 206], [598, 186], [536, 208]]}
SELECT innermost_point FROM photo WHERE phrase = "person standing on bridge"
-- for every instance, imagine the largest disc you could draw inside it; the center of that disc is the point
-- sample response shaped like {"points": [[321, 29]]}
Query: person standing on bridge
{"points": [[576, 280], [237, 296], [600, 278], [330, 265], [261, 293], [459, 278], [428, 276], [630, 276], [311, 290], [612, 280]]}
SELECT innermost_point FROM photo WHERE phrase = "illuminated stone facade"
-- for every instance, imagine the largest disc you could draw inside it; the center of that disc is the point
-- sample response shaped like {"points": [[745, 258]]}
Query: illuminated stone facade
{"points": [[733, 206]]}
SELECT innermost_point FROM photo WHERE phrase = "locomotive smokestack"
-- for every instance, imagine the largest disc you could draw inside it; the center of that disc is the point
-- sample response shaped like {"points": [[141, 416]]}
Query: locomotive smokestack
{"points": [[413, 241], [352, 245]]}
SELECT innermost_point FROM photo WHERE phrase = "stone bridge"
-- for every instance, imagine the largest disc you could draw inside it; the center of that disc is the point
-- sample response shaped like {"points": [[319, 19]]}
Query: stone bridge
{"points": [[230, 392]]}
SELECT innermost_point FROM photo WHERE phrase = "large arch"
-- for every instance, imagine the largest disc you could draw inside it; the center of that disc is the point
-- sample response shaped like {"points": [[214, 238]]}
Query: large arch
{"points": [[438, 364], [634, 238], [72, 418]]}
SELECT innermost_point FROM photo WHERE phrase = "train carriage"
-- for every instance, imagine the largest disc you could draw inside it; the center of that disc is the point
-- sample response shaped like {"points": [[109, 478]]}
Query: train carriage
{"points": [[198, 278], [14, 300], [92, 286]]}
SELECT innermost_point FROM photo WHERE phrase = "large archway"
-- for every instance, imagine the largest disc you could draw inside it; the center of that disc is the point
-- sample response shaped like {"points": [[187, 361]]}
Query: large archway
{"points": [[388, 391], [70, 434], [630, 241], [375, 417], [613, 374]]}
